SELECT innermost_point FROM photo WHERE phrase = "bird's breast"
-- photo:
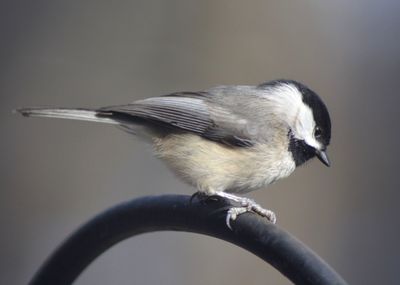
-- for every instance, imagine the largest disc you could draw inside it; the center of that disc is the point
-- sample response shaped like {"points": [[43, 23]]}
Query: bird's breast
{"points": [[212, 166]]}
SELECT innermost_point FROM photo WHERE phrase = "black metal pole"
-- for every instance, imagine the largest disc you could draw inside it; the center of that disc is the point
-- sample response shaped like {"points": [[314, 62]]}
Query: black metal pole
{"points": [[178, 213]]}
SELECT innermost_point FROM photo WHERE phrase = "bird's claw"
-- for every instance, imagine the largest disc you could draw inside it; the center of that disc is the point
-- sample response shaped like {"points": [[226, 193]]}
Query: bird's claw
{"points": [[246, 205], [233, 213]]}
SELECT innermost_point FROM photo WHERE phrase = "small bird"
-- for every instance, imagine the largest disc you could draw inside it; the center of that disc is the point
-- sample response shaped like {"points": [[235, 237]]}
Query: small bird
{"points": [[226, 140]]}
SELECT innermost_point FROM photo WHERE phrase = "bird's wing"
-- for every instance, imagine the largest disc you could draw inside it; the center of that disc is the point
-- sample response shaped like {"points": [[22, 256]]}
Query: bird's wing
{"points": [[187, 112]]}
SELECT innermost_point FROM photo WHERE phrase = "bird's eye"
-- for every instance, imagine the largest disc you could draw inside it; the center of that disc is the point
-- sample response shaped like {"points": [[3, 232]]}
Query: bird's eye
{"points": [[317, 132]]}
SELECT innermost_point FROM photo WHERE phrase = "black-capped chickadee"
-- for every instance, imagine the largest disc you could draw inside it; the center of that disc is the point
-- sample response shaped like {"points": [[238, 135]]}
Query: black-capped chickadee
{"points": [[227, 139]]}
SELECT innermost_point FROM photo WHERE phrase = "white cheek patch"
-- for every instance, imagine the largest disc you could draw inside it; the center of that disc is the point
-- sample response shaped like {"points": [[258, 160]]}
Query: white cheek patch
{"points": [[312, 142], [304, 122], [305, 125]]}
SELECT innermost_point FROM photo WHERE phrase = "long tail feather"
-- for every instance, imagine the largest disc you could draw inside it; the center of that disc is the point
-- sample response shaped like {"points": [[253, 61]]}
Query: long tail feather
{"points": [[66, 113]]}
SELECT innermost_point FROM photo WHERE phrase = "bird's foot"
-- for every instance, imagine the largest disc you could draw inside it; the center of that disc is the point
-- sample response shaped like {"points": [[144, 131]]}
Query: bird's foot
{"points": [[246, 205]]}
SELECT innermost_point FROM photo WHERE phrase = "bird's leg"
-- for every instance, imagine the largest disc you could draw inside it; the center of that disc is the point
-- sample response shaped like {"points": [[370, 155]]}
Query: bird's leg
{"points": [[246, 205]]}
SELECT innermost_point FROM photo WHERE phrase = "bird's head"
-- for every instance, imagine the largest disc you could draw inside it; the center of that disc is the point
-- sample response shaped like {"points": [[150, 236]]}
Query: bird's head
{"points": [[307, 118]]}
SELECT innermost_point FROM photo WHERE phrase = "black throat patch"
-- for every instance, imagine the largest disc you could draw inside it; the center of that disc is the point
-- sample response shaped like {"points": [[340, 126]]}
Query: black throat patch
{"points": [[300, 151]]}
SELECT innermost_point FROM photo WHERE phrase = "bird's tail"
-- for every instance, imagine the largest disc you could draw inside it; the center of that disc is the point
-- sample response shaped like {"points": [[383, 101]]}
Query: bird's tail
{"points": [[67, 113]]}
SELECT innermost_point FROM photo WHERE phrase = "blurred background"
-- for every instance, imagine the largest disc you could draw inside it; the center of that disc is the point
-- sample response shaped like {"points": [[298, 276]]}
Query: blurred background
{"points": [[57, 174]]}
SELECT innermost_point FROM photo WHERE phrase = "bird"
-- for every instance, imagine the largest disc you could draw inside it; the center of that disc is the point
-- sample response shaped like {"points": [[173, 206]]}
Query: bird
{"points": [[227, 140]]}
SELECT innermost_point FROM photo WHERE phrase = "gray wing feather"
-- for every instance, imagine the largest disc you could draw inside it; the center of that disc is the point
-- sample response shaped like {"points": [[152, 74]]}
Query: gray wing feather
{"points": [[193, 113], [185, 113]]}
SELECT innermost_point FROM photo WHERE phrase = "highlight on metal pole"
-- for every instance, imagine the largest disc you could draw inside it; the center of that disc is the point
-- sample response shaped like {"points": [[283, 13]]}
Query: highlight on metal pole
{"points": [[181, 213]]}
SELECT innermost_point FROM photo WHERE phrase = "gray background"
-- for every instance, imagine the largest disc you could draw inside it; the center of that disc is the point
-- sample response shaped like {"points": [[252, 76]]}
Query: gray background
{"points": [[56, 174]]}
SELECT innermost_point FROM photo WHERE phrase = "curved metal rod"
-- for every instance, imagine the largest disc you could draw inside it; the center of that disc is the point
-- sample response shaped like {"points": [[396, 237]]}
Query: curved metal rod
{"points": [[179, 213]]}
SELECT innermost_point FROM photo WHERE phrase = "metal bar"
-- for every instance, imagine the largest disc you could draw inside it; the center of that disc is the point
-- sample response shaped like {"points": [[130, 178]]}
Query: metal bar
{"points": [[179, 213]]}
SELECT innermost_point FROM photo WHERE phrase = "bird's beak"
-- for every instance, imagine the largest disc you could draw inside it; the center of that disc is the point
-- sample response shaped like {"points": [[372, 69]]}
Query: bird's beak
{"points": [[323, 157]]}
